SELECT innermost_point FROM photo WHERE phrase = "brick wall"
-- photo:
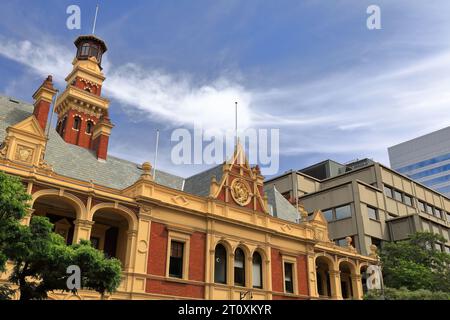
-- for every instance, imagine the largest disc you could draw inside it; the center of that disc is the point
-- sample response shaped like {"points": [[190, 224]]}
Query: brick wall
{"points": [[157, 265], [278, 277]]}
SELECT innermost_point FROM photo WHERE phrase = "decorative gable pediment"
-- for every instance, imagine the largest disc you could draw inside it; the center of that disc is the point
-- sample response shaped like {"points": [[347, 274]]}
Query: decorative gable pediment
{"points": [[29, 126], [25, 143], [241, 185]]}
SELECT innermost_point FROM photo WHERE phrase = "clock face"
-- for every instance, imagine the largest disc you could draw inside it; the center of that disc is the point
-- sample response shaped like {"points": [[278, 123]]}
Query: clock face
{"points": [[240, 192]]}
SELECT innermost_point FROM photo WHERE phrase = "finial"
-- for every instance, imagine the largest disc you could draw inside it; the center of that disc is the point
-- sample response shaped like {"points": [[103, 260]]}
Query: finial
{"points": [[147, 171]]}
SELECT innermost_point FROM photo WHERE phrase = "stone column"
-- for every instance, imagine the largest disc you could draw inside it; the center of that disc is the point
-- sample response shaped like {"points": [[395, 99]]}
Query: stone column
{"points": [[130, 249], [313, 284], [26, 220], [335, 281], [249, 272], [357, 286], [268, 273], [82, 230]]}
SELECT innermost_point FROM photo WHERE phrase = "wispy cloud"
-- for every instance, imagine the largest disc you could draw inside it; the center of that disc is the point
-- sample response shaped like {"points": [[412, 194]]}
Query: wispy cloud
{"points": [[360, 111], [176, 99]]}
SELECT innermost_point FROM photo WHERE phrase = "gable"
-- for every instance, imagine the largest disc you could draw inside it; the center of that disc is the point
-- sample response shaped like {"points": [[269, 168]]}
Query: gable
{"points": [[29, 126]]}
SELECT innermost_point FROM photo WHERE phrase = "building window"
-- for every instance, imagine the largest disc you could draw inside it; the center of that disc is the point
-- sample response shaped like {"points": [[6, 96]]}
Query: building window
{"points": [[422, 206], [407, 200], [398, 196], [372, 213], [239, 267], [288, 277], [257, 271], [388, 191], [85, 50], [220, 264], [76, 123], [343, 212], [328, 214], [448, 217], [89, 127], [376, 242], [437, 213], [429, 209], [438, 247], [287, 195], [342, 242], [176, 259]]}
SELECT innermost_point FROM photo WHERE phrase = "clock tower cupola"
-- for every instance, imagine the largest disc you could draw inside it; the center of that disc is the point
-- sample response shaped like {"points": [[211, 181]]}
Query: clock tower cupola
{"points": [[83, 117]]}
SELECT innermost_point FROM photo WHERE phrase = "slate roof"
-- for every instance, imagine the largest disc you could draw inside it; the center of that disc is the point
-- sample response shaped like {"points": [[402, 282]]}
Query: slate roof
{"points": [[279, 207], [80, 163], [199, 184], [77, 162]]}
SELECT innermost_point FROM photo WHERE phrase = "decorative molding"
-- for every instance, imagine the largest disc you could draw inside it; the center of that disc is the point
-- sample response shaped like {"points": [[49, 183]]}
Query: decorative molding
{"points": [[24, 154], [240, 192]]}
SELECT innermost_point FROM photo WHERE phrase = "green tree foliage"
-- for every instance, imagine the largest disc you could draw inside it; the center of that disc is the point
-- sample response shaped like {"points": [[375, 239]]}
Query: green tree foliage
{"points": [[41, 257], [415, 264], [405, 294]]}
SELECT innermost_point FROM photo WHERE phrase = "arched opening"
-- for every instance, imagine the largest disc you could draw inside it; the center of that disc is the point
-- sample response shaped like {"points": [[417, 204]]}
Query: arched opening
{"points": [[63, 126], [323, 277], [347, 289], [239, 267], [60, 211], [257, 274], [77, 123], [89, 127], [220, 264], [110, 234]]}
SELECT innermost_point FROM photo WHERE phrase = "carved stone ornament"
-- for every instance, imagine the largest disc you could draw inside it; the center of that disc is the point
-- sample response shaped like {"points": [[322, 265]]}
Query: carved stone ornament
{"points": [[240, 192], [3, 149], [24, 154]]}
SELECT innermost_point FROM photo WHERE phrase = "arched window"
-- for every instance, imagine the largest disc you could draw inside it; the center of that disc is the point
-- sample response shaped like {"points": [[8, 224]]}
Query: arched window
{"points": [[239, 267], [89, 127], [257, 271], [220, 264], [77, 123], [63, 126]]}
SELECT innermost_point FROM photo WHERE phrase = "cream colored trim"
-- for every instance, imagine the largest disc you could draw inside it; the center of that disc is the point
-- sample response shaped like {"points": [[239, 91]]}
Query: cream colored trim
{"points": [[186, 240], [293, 261]]}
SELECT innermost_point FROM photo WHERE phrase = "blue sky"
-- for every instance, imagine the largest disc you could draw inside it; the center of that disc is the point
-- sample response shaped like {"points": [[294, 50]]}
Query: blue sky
{"points": [[311, 69]]}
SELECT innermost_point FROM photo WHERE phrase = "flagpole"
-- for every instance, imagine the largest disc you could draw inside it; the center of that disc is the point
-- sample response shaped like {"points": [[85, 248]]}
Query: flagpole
{"points": [[236, 123], [156, 155], [95, 19]]}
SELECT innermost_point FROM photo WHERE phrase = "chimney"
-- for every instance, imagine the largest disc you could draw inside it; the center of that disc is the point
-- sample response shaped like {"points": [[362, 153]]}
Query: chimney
{"points": [[43, 98], [100, 137]]}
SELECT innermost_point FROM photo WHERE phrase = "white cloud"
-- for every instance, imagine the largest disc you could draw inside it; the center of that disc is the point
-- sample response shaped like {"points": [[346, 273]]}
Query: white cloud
{"points": [[171, 98], [364, 110]]}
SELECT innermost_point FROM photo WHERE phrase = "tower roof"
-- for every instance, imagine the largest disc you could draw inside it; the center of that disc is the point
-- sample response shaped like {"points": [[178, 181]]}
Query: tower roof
{"points": [[93, 38]]}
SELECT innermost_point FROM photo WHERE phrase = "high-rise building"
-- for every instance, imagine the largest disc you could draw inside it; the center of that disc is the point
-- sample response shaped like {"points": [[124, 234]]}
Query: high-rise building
{"points": [[425, 159]]}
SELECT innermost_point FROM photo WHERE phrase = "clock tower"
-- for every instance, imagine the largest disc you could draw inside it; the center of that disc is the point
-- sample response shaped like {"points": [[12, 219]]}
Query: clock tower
{"points": [[82, 111]]}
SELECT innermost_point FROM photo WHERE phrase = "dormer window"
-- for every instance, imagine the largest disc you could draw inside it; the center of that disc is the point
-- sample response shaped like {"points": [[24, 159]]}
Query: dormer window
{"points": [[77, 123]]}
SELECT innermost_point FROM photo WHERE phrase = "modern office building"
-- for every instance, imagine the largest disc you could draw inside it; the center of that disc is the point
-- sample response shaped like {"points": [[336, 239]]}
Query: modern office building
{"points": [[425, 159], [367, 201]]}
